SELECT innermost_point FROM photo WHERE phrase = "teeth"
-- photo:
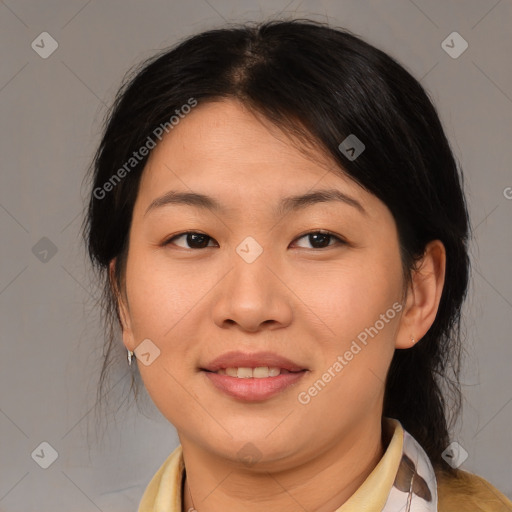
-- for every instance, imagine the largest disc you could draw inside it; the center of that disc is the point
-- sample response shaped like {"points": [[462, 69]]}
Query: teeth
{"points": [[257, 373], [244, 373]]}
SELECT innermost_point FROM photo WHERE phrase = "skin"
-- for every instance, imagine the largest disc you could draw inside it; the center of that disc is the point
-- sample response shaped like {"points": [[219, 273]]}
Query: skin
{"points": [[302, 302]]}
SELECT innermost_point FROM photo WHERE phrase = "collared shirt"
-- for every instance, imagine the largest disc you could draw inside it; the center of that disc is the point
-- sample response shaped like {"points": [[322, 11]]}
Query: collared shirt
{"points": [[469, 493]]}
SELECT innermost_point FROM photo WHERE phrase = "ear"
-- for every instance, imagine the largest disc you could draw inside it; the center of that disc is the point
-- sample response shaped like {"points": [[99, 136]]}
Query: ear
{"points": [[122, 308], [423, 295]]}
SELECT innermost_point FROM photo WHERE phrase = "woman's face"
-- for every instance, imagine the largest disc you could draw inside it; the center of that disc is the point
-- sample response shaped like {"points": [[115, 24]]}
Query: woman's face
{"points": [[252, 280]]}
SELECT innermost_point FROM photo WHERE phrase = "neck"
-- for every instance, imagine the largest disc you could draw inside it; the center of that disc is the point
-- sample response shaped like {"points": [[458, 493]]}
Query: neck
{"points": [[322, 483]]}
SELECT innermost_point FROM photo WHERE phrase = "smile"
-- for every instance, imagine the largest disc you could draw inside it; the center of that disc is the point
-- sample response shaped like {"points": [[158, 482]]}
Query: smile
{"points": [[253, 384]]}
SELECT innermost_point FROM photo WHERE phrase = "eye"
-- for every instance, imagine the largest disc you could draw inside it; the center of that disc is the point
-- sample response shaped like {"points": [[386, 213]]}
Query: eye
{"points": [[195, 240], [320, 239]]}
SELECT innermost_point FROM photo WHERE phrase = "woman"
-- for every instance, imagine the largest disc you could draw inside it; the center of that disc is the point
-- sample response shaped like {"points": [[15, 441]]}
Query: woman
{"points": [[282, 231]]}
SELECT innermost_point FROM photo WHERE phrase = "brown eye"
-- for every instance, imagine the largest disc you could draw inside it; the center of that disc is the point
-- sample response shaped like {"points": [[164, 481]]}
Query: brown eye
{"points": [[194, 240], [320, 239]]}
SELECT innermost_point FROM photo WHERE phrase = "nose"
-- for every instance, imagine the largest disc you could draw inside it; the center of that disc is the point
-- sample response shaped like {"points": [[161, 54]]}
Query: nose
{"points": [[253, 297]]}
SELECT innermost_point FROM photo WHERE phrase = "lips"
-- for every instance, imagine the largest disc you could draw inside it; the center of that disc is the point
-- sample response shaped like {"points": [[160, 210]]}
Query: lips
{"points": [[253, 390], [237, 359], [258, 387]]}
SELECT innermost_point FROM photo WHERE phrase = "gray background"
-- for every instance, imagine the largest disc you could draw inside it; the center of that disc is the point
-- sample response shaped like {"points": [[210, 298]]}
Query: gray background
{"points": [[51, 111]]}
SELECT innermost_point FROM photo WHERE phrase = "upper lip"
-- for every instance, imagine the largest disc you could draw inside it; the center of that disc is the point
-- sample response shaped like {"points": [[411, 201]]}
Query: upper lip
{"points": [[236, 359]]}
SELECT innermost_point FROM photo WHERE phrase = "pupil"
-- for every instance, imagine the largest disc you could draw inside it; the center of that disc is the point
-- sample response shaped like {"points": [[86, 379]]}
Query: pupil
{"points": [[193, 237], [315, 237]]}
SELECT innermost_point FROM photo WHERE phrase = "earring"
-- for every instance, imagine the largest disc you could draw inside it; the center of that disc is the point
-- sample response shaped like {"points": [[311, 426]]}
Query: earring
{"points": [[130, 355], [412, 339]]}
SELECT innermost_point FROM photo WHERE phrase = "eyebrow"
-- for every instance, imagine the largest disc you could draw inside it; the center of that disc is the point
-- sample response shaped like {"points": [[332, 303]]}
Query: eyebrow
{"points": [[287, 204]]}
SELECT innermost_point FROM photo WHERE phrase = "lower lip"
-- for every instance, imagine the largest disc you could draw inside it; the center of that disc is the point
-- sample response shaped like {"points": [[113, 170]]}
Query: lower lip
{"points": [[253, 389]]}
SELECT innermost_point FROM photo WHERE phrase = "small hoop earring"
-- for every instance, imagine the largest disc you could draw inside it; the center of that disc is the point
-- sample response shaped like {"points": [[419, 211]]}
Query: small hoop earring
{"points": [[130, 355]]}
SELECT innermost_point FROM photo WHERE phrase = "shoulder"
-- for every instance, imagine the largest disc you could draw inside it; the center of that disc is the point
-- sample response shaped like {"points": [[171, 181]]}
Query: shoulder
{"points": [[467, 492]]}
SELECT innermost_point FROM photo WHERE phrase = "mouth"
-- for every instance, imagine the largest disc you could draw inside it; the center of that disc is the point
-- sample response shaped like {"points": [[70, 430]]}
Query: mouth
{"points": [[252, 377], [260, 372], [257, 365], [253, 384]]}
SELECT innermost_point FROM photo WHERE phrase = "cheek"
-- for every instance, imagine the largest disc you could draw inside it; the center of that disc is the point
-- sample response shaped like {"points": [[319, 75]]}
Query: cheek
{"points": [[160, 296], [355, 343], [345, 299], [356, 318], [161, 300]]}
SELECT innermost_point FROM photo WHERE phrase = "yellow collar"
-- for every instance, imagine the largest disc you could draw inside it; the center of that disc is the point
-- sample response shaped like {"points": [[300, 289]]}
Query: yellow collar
{"points": [[163, 493]]}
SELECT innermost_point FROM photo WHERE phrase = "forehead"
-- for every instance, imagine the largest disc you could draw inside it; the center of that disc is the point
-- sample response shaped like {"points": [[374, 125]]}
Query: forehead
{"points": [[222, 149]]}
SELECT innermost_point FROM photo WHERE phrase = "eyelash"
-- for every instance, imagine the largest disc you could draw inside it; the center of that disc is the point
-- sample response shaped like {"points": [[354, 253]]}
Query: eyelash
{"points": [[339, 240]]}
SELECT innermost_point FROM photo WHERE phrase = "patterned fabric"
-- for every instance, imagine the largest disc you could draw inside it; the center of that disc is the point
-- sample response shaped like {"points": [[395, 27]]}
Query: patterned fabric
{"points": [[415, 485]]}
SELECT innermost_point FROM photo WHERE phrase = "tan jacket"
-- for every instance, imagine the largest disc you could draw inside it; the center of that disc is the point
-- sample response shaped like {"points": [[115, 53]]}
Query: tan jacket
{"points": [[469, 493]]}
